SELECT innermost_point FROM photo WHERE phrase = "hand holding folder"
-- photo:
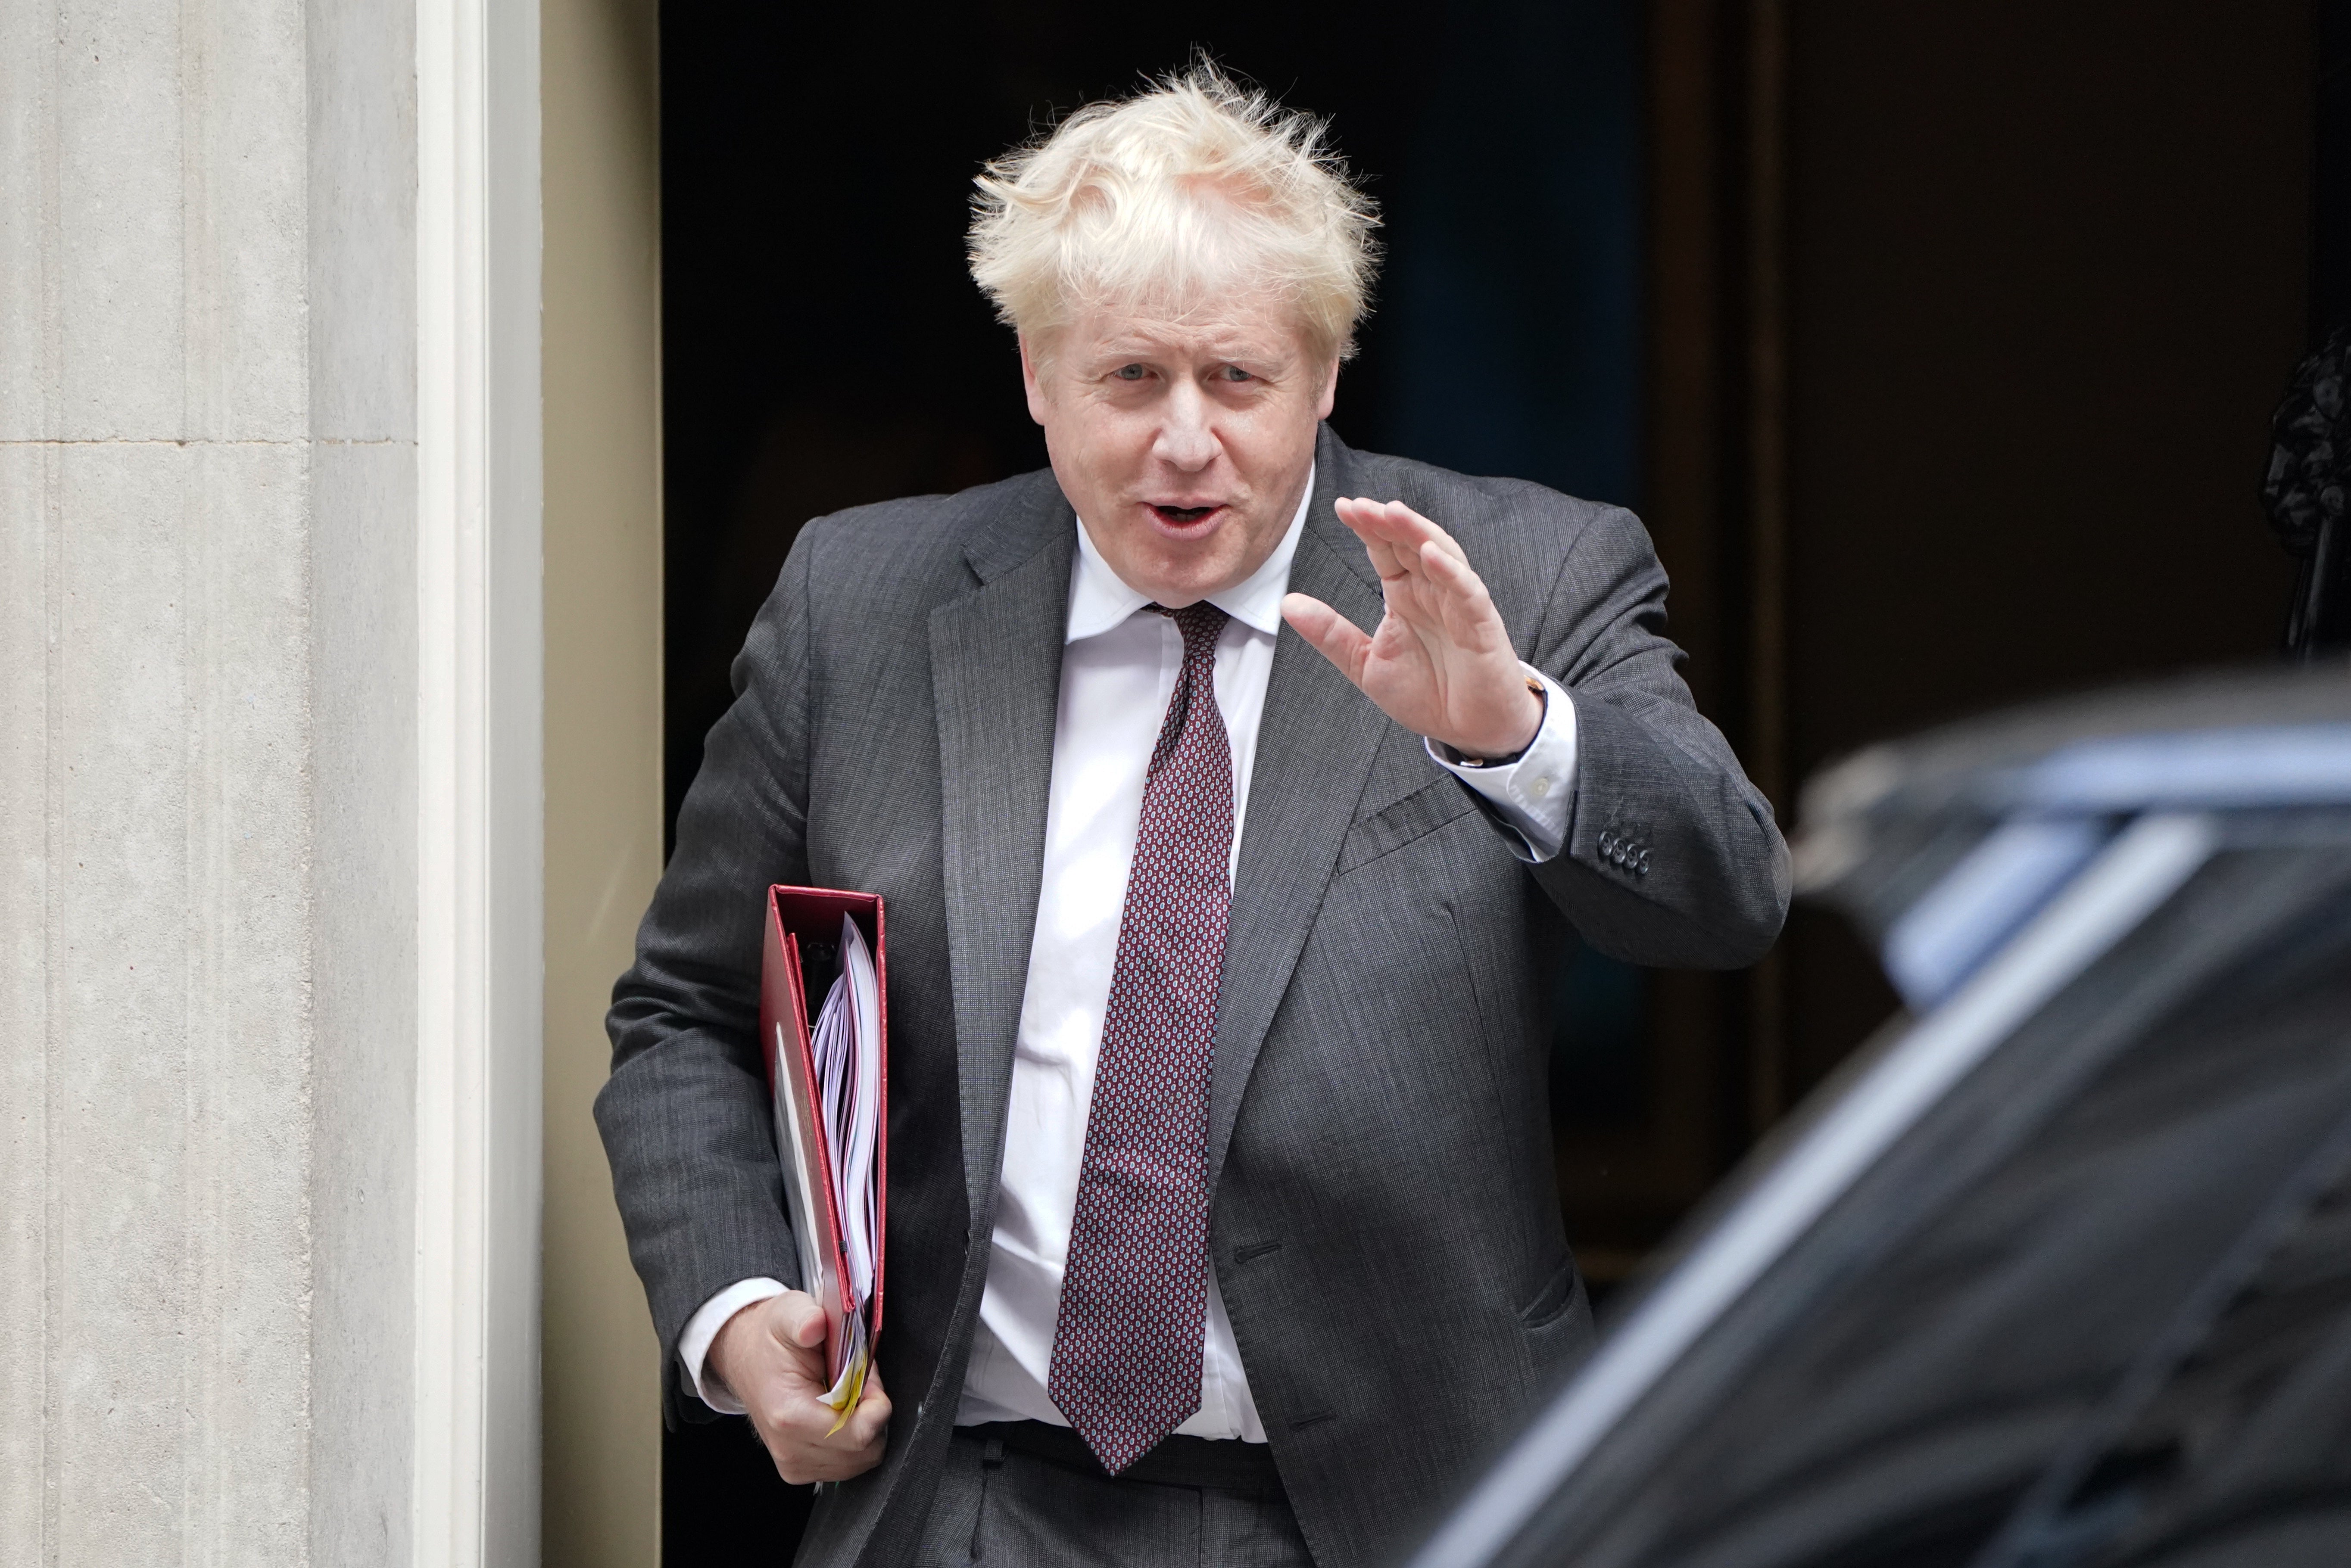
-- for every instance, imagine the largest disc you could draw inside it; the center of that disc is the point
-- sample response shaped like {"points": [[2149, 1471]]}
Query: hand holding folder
{"points": [[829, 1081]]}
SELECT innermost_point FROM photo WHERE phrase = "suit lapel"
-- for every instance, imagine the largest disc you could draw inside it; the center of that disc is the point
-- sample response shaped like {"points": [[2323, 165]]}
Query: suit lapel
{"points": [[995, 669], [1314, 750]]}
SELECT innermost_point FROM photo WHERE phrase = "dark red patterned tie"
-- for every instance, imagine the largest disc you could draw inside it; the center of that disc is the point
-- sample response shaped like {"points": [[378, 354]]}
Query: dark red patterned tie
{"points": [[1126, 1346]]}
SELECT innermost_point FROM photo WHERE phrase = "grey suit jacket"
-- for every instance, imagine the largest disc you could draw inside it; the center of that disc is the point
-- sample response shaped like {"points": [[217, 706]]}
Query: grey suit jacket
{"points": [[1386, 1232]]}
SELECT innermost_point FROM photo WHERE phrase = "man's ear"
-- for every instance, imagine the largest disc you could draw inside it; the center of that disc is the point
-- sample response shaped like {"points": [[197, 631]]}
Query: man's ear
{"points": [[1028, 373], [1329, 391]]}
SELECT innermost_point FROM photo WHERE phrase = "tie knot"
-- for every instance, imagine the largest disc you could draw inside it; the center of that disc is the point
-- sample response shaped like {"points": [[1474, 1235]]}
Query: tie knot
{"points": [[1199, 622]]}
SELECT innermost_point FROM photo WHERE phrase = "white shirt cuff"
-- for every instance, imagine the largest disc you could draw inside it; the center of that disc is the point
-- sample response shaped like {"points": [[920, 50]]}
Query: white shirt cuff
{"points": [[694, 1345], [1533, 794]]}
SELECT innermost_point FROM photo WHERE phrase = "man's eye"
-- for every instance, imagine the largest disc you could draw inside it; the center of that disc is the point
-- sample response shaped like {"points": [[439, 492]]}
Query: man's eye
{"points": [[1129, 372], [1235, 373]]}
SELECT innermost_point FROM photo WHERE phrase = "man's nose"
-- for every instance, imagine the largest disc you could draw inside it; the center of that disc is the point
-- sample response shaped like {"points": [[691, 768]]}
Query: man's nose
{"points": [[1185, 440]]}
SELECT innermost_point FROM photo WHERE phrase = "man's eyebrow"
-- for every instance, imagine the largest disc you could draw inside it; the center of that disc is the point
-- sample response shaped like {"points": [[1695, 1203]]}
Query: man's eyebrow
{"points": [[1222, 352], [1114, 351], [1134, 344]]}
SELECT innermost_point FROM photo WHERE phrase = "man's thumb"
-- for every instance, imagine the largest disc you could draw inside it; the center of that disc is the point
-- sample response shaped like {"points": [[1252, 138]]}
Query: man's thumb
{"points": [[804, 1321]]}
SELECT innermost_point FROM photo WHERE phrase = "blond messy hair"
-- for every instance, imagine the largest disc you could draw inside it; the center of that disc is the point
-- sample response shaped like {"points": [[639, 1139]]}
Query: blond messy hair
{"points": [[1190, 191]]}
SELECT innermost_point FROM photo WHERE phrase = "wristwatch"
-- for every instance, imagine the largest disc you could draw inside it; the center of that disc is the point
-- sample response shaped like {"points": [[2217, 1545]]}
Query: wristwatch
{"points": [[1534, 686]]}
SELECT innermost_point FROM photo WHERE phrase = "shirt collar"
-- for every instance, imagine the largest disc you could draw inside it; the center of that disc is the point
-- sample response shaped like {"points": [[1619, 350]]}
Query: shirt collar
{"points": [[1100, 599]]}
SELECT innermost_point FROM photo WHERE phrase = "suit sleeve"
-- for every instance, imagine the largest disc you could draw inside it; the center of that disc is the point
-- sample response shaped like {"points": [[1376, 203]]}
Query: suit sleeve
{"points": [[1672, 858], [685, 1117]]}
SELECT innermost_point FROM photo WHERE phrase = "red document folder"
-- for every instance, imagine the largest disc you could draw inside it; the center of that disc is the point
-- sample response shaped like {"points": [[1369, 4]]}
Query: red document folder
{"points": [[798, 917]]}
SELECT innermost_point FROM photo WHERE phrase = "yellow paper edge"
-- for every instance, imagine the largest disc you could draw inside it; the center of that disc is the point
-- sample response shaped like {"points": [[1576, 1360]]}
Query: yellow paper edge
{"points": [[848, 1400]]}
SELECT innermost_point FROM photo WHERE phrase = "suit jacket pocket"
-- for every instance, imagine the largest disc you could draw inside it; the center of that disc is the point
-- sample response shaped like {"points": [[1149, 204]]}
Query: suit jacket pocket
{"points": [[1552, 1302], [1424, 811]]}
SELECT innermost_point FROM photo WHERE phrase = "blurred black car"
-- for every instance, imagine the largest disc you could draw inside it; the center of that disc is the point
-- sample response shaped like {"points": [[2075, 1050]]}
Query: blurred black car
{"points": [[2059, 1272]]}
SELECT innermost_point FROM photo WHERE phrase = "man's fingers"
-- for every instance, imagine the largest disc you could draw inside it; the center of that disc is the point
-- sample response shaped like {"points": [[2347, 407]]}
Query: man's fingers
{"points": [[1416, 533], [1368, 519], [1383, 531], [809, 1442], [870, 1419], [1398, 530], [1334, 636], [1468, 608], [787, 1403]]}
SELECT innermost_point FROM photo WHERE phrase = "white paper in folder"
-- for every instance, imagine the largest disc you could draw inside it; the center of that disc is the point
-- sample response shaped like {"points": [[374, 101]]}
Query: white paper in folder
{"points": [[846, 1046]]}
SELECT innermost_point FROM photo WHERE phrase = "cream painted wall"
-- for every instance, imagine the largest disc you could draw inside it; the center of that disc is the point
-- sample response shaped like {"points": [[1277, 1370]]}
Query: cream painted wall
{"points": [[602, 358]]}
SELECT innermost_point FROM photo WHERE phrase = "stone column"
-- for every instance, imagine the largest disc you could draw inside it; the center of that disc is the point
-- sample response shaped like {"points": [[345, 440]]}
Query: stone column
{"points": [[209, 783]]}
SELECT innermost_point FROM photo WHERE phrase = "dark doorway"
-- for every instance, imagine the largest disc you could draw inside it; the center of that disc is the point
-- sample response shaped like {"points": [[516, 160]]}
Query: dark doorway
{"points": [[824, 347], [2049, 267]]}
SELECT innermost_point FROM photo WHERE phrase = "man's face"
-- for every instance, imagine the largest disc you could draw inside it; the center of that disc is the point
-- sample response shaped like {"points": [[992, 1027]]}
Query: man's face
{"points": [[1183, 445]]}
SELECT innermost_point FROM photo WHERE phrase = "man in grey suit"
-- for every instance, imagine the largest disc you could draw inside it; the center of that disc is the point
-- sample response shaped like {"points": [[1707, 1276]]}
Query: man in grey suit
{"points": [[1231, 793]]}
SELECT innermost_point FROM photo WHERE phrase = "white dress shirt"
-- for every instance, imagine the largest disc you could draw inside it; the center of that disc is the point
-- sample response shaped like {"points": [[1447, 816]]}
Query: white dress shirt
{"points": [[1119, 668]]}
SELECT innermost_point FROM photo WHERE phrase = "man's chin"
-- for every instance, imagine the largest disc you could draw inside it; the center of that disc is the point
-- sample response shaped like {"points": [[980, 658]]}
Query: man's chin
{"points": [[1176, 579]]}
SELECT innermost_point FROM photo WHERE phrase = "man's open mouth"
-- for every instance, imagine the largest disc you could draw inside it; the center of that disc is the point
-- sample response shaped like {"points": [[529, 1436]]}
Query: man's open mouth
{"points": [[1180, 514]]}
